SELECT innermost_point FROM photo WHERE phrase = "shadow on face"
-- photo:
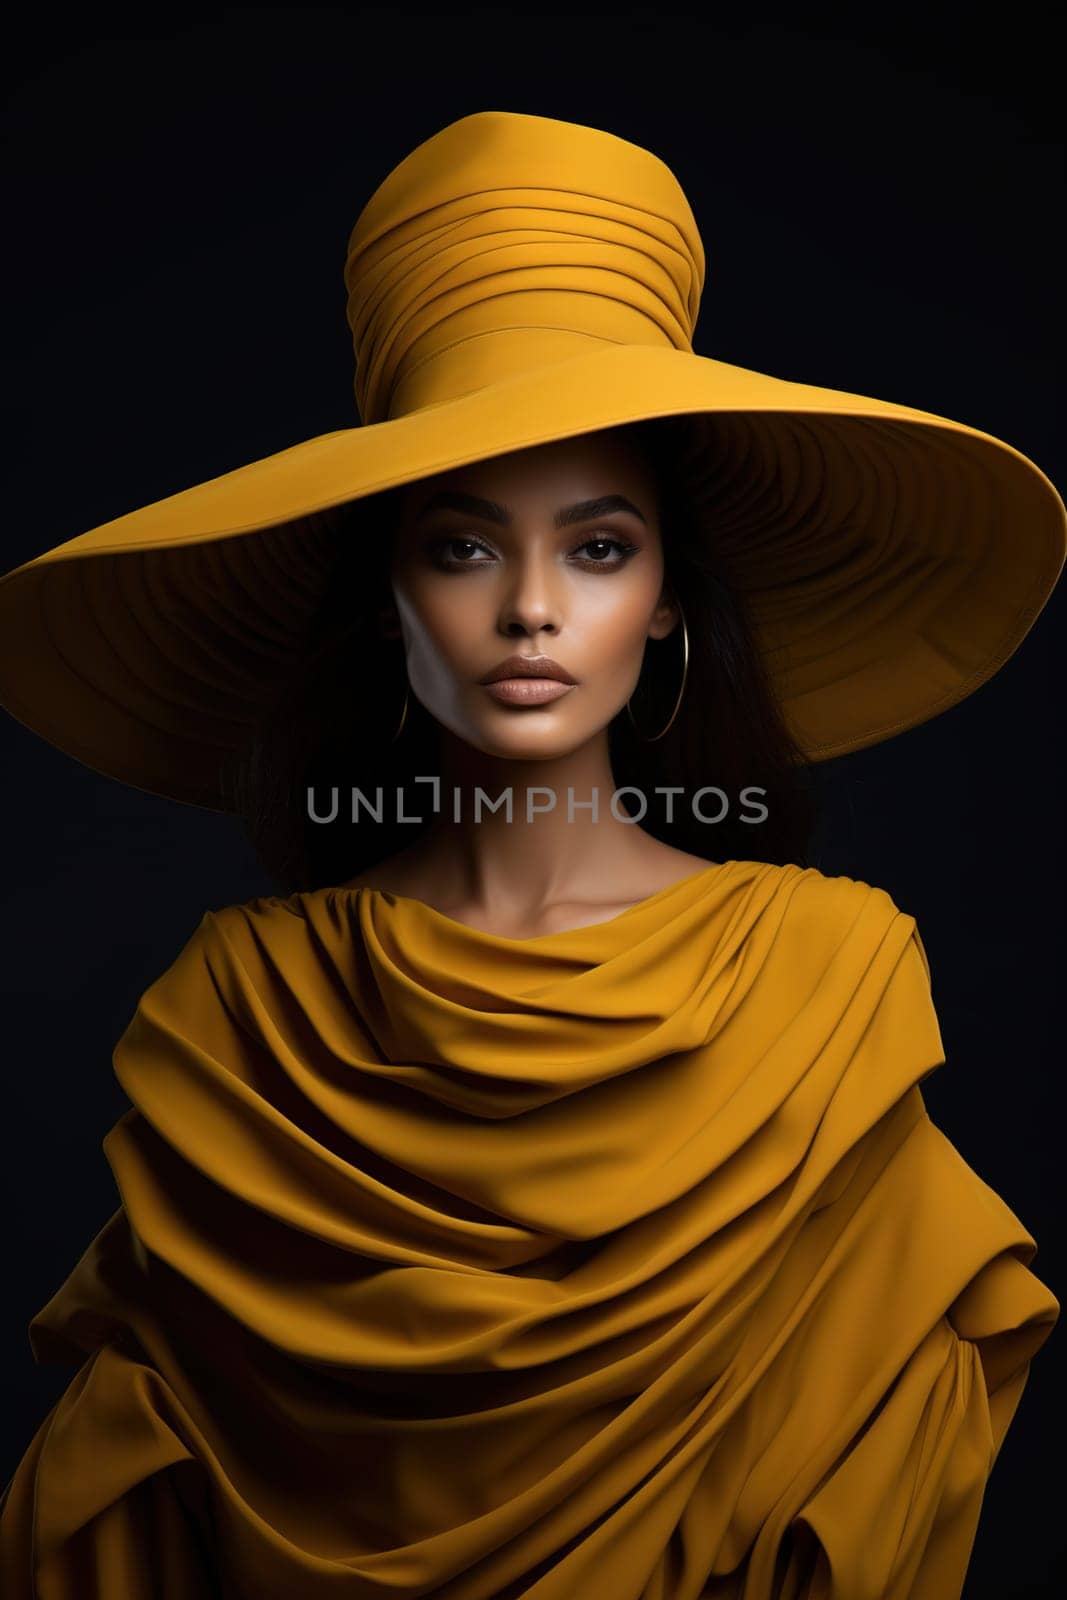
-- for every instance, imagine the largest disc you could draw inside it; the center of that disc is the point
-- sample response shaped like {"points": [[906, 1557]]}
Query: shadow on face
{"points": [[554, 550]]}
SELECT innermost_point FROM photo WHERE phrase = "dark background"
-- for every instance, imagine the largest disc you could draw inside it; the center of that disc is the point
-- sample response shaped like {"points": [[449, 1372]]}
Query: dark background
{"points": [[880, 199]]}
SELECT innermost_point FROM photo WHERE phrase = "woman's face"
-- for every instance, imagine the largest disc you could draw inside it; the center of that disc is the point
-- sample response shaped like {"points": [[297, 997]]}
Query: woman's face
{"points": [[512, 556]]}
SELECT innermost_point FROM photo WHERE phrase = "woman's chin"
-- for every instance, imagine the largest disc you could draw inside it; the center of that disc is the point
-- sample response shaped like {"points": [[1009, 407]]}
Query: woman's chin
{"points": [[528, 736]]}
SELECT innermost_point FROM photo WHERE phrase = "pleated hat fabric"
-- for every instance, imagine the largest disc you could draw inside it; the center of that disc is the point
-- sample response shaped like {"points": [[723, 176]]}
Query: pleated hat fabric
{"points": [[508, 243], [516, 280]]}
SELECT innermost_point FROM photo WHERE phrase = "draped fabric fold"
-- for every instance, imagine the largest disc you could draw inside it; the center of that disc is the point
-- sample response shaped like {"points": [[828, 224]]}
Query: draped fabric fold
{"points": [[624, 1261]]}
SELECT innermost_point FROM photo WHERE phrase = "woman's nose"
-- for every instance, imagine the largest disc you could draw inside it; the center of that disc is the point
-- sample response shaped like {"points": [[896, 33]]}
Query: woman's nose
{"points": [[532, 595]]}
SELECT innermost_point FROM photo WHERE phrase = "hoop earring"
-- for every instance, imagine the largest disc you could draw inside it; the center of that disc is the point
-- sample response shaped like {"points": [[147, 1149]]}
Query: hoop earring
{"points": [[403, 718], [651, 738]]}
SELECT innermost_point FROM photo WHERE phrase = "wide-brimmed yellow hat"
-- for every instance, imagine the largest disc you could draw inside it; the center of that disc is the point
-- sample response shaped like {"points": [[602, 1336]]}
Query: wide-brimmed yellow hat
{"points": [[516, 280]]}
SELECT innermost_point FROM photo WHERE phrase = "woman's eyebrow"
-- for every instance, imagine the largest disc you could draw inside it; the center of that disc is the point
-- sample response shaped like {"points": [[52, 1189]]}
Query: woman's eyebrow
{"points": [[473, 505]]}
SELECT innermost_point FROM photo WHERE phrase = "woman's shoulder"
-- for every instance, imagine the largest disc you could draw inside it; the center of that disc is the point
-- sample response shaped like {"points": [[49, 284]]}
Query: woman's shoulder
{"points": [[226, 931], [807, 883], [239, 946], [810, 905], [845, 889]]}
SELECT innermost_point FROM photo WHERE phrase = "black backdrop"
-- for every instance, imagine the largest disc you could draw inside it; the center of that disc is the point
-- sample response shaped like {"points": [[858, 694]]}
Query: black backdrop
{"points": [[880, 201]]}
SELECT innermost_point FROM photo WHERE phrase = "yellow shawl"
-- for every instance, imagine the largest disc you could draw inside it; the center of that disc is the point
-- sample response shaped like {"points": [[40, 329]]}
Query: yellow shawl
{"points": [[623, 1262]]}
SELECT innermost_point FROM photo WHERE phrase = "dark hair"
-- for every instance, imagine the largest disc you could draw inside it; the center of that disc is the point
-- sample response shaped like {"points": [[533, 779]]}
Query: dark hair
{"points": [[331, 719]]}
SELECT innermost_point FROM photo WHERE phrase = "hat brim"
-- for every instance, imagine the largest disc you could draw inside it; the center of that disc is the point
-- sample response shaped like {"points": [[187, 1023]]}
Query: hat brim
{"points": [[892, 559]]}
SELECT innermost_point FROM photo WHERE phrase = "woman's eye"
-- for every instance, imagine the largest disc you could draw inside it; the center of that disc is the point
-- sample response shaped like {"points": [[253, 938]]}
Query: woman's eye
{"points": [[449, 544], [620, 546], [601, 549]]}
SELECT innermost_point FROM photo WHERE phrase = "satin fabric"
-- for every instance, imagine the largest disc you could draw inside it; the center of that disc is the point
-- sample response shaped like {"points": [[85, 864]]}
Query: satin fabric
{"points": [[620, 1262]]}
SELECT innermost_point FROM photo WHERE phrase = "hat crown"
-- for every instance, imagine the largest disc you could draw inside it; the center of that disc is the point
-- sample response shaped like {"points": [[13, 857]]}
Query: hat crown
{"points": [[507, 242]]}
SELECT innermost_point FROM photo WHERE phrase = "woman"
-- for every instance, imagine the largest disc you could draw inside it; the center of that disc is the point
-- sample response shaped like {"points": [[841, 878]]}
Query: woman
{"points": [[562, 540], [538, 1197]]}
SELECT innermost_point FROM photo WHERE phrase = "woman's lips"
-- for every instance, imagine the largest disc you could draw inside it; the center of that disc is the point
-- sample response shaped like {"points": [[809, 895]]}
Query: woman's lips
{"points": [[527, 691]]}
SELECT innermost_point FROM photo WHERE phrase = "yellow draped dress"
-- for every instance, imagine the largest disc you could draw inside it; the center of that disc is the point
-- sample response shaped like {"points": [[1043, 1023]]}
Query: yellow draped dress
{"points": [[622, 1262]]}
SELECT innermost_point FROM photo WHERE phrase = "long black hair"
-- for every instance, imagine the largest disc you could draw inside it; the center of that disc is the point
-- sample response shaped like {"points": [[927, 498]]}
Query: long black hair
{"points": [[330, 722]]}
